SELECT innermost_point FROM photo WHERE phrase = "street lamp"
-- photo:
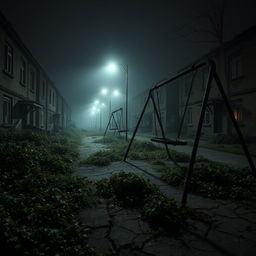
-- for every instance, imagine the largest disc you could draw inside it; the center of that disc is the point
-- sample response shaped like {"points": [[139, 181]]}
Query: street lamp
{"points": [[113, 67], [105, 92]]}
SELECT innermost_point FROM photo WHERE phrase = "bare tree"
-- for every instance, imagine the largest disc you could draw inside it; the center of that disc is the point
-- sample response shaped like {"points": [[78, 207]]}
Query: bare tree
{"points": [[209, 27]]}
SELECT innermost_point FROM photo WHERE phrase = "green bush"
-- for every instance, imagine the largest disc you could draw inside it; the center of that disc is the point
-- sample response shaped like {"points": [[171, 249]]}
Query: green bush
{"points": [[39, 200], [174, 176], [132, 191], [163, 212], [215, 180], [102, 158]]}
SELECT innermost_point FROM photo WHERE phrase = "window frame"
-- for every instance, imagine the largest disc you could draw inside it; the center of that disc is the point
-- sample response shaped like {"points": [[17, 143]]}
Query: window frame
{"points": [[23, 72], [8, 101], [235, 70], [189, 117], [32, 80], [8, 59], [207, 117]]}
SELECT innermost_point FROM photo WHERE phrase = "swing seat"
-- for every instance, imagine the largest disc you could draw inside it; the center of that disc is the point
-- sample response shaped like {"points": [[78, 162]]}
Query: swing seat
{"points": [[169, 141], [122, 130]]}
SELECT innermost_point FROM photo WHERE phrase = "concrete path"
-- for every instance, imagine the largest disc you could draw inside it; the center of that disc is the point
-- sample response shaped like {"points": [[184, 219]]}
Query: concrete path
{"points": [[231, 232], [214, 155]]}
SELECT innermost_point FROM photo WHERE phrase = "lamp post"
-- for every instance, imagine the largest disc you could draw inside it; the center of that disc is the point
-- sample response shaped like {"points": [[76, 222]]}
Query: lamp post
{"points": [[113, 67], [114, 93]]}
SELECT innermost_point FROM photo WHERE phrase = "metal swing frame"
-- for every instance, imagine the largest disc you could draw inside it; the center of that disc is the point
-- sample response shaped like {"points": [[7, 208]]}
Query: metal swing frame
{"points": [[211, 76], [116, 117]]}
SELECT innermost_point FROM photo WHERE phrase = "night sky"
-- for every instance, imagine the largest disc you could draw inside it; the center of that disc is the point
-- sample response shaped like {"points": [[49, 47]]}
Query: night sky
{"points": [[74, 40]]}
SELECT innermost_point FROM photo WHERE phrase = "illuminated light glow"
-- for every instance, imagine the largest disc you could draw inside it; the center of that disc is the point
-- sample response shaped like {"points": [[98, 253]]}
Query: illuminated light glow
{"points": [[116, 92], [94, 108], [96, 102], [103, 104], [104, 91], [112, 67]]}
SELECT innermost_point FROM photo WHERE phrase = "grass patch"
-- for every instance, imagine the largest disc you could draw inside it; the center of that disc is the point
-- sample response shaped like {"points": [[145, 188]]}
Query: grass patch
{"points": [[140, 150], [215, 180], [39, 198], [130, 190]]}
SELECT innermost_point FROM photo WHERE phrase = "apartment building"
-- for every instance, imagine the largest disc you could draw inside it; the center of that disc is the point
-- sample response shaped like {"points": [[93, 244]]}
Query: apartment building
{"points": [[28, 97], [235, 67]]}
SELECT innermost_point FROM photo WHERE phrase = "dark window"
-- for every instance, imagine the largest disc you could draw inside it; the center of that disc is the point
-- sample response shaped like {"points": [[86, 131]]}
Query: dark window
{"points": [[205, 74], [43, 89], [235, 67], [7, 110], [189, 117], [187, 84], [8, 59], [206, 117], [32, 80], [23, 71], [50, 96], [53, 98]]}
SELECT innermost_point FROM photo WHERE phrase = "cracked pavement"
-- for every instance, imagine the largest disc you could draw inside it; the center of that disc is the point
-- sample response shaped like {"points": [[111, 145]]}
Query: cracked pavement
{"points": [[231, 232]]}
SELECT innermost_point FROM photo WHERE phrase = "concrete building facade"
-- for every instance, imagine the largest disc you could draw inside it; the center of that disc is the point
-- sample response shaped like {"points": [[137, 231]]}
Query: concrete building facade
{"points": [[28, 97], [236, 69]]}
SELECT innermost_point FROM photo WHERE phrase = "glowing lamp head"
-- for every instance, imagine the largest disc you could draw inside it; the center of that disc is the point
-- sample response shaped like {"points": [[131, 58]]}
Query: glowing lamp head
{"points": [[116, 92], [112, 67], [104, 91]]}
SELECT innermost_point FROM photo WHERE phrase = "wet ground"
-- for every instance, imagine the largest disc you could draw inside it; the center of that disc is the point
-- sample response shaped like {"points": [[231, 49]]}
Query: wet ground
{"points": [[232, 230]]}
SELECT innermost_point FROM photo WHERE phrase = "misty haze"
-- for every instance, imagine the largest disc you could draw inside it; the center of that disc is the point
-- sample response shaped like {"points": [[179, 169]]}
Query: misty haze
{"points": [[128, 127]]}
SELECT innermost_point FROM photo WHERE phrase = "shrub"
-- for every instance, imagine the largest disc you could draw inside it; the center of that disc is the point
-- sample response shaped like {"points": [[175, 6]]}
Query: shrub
{"points": [[215, 180], [130, 189], [163, 212], [39, 200], [174, 176], [102, 158]]}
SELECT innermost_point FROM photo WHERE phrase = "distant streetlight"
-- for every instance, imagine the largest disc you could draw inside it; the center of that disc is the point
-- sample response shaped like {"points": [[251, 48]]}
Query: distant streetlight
{"points": [[96, 102], [114, 93], [104, 91], [113, 67]]}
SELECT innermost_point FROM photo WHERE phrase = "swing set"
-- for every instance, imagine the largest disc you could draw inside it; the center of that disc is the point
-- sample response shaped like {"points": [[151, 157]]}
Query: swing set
{"points": [[153, 96], [115, 122]]}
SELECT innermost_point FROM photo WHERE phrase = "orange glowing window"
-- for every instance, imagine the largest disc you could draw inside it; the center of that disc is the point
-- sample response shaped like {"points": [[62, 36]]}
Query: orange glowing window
{"points": [[238, 114]]}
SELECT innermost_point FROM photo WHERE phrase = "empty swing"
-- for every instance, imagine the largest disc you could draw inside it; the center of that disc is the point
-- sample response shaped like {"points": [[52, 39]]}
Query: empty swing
{"points": [[115, 122], [163, 140]]}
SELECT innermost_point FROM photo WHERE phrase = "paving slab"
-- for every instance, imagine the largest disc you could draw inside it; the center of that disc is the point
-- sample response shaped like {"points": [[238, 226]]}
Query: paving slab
{"points": [[232, 231]]}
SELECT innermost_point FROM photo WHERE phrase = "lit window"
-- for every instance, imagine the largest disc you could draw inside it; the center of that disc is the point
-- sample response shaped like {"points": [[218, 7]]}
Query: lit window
{"points": [[235, 67], [23, 71], [8, 60], [238, 113]]}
